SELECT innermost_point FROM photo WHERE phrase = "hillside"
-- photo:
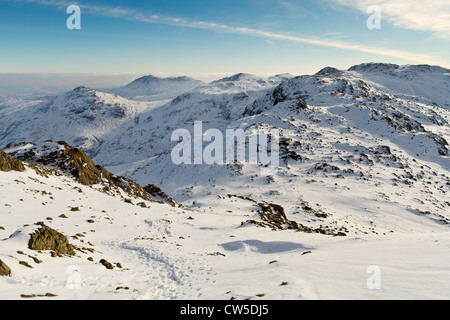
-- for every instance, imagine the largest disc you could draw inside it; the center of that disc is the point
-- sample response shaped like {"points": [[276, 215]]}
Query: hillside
{"points": [[60, 239], [362, 179]]}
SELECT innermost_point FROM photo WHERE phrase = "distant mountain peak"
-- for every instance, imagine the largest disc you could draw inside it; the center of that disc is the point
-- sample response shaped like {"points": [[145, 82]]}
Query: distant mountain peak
{"points": [[330, 71], [151, 77], [83, 89], [282, 75], [390, 67], [146, 78], [238, 77], [374, 66], [151, 85]]}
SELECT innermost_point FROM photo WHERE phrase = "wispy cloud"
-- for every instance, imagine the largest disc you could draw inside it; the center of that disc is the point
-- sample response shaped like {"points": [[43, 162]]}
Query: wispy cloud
{"points": [[431, 15], [145, 17]]}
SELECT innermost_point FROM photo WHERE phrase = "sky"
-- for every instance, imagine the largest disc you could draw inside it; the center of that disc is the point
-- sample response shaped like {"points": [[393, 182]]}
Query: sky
{"points": [[210, 39]]}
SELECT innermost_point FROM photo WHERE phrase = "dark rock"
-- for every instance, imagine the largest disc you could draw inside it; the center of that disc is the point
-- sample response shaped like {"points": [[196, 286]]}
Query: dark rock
{"points": [[26, 264], [46, 238], [76, 163], [383, 150], [4, 269], [8, 163], [278, 95], [158, 195], [107, 264]]}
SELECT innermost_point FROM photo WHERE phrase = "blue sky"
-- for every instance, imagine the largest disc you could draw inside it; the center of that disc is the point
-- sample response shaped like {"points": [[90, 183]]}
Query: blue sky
{"points": [[210, 38]]}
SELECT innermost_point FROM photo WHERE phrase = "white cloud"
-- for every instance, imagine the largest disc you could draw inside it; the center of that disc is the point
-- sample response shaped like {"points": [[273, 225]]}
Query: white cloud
{"points": [[430, 15]]}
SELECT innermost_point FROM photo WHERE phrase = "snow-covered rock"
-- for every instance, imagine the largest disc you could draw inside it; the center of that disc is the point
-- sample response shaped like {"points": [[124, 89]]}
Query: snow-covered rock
{"points": [[151, 87]]}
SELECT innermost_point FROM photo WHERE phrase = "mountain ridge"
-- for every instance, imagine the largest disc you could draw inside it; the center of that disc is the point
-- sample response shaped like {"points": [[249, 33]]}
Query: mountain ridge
{"points": [[362, 176], [333, 123], [76, 163], [152, 86]]}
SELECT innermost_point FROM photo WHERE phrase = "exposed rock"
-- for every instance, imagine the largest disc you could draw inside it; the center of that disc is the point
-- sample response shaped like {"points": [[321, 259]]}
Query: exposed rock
{"points": [[29, 296], [8, 163], [4, 269], [157, 194], [273, 216], [142, 205], [278, 95], [75, 162], [26, 264], [106, 264], [384, 150], [46, 238], [122, 288]]}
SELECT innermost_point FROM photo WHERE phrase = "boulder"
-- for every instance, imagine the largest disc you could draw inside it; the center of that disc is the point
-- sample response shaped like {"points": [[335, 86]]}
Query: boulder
{"points": [[46, 238], [8, 163], [4, 269]]}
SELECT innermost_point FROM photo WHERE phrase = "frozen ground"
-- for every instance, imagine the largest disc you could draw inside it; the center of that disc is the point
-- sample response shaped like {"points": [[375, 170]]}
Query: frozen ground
{"points": [[176, 253]]}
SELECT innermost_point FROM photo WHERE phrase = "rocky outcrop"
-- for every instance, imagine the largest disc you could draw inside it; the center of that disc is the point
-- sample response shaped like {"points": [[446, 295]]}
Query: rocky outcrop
{"points": [[75, 162], [8, 163], [157, 194], [46, 238], [5, 271]]}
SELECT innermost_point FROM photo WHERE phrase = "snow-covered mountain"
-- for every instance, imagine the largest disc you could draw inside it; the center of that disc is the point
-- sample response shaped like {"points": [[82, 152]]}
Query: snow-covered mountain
{"points": [[151, 87], [422, 83], [335, 126], [83, 117], [243, 82], [364, 164]]}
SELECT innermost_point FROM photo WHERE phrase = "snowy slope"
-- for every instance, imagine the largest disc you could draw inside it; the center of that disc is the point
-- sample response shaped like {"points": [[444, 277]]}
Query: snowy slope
{"points": [[161, 252], [363, 180], [363, 159], [423, 83]]}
